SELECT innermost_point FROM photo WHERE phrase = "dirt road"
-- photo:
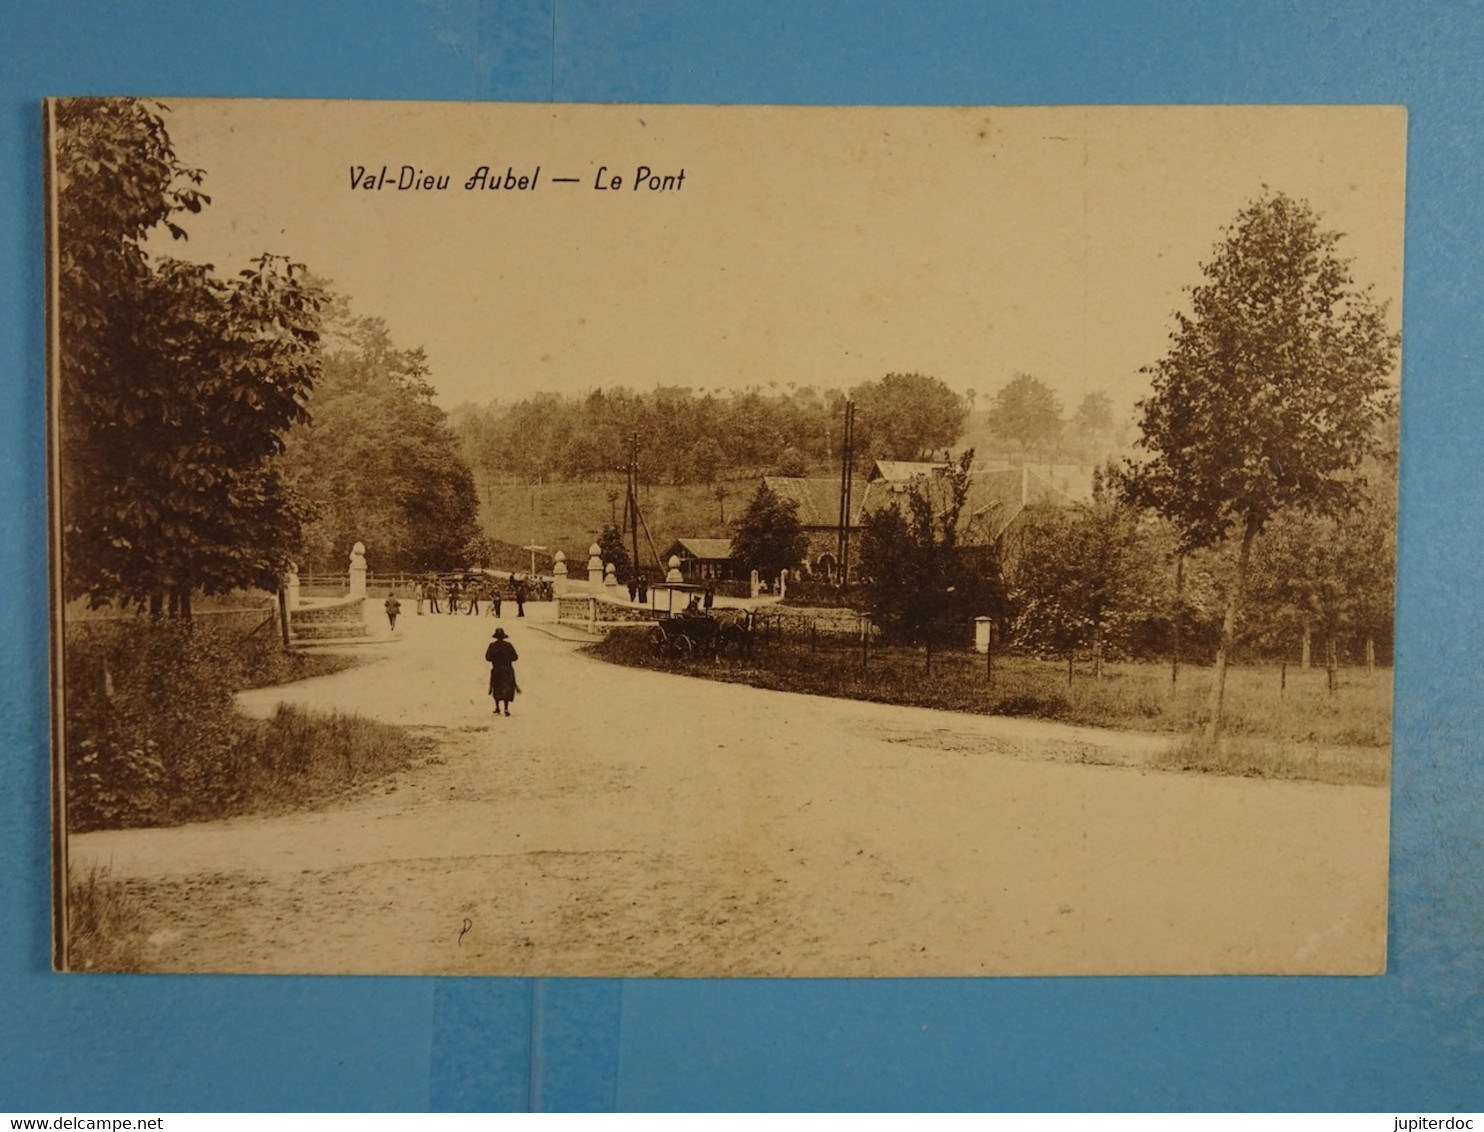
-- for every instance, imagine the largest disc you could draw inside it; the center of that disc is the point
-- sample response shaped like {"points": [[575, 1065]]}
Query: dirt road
{"points": [[627, 822]]}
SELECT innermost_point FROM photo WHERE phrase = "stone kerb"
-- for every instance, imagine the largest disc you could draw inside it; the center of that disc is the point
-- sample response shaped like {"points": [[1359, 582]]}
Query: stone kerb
{"points": [[328, 620], [598, 614]]}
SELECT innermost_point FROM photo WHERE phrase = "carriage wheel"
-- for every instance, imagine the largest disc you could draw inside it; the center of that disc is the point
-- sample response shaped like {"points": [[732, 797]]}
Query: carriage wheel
{"points": [[684, 647], [659, 642]]}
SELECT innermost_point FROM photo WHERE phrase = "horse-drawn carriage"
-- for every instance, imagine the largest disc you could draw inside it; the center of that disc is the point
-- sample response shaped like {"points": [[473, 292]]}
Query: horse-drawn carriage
{"points": [[694, 630]]}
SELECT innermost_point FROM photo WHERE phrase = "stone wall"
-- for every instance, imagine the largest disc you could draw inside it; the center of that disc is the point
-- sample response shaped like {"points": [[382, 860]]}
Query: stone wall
{"points": [[583, 609], [338, 619]]}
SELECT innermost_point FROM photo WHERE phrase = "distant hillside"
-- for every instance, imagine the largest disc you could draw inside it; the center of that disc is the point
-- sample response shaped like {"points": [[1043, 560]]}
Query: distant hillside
{"points": [[570, 516]]}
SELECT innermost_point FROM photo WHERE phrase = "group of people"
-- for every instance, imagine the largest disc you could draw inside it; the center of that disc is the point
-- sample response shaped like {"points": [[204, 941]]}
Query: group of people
{"points": [[465, 594], [462, 595]]}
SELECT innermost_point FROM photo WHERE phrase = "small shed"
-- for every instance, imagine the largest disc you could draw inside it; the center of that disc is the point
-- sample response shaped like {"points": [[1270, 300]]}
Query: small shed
{"points": [[703, 559]]}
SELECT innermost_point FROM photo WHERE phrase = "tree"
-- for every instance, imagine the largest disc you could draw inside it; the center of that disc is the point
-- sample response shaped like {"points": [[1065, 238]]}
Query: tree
{"points": [[1027, 412], [1092, 422], [176, 387], [612, 550], [907, 416], [918, 579], [379, 461], [1333, 578], [478, 553], [1094, 414], [1270, 397], [1082, 574], [769, 538]]}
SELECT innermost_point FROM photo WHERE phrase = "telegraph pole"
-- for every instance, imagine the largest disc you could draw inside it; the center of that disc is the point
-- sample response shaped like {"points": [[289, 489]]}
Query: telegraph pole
{"points": [[847, 459], [631, 507]]}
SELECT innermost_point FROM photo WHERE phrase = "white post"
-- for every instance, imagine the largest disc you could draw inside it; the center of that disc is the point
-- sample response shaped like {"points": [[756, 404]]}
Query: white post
{"points": [[559, 576], [358, 570], [673, 573], [594, 569], [981, 634], [291, 586]]}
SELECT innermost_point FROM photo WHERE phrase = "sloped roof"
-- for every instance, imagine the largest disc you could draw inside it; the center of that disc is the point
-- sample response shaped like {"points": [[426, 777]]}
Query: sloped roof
{"points": [[706, 549], [817, 499], [997, 498], [900, 471]]}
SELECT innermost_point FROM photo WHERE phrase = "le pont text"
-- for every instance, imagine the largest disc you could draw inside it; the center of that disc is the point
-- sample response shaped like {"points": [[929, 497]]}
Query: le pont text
{"points": [[491, 179]]}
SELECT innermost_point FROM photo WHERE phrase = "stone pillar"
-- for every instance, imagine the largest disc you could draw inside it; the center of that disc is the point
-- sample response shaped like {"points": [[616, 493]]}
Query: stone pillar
{"points": [[673, 574], [291, 586], [783, 583], [981, 634], [610, 576], [755, 588], [358, 570], [594, 569], [559, 575]]}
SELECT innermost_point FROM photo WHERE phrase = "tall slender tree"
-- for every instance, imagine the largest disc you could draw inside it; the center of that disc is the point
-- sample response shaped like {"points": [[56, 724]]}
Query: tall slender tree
{"points": [[1270, 397]]}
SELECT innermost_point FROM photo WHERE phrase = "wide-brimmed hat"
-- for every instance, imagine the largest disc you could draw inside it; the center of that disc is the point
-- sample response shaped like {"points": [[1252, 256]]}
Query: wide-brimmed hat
{"points": [[499, 634]]}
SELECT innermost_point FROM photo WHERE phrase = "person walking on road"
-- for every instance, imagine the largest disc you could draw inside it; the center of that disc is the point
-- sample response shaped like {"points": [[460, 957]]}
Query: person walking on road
{"points": [[520, 598], [502, 657], [430, 591], [392, 607]]}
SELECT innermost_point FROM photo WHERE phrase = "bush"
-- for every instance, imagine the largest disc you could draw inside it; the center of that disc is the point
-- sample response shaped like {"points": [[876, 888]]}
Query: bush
{"points": [[299, 756], [150, 731]]}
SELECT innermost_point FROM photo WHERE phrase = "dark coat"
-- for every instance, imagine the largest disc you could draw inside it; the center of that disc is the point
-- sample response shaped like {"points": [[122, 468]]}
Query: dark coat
{"points": [[502, 657]]}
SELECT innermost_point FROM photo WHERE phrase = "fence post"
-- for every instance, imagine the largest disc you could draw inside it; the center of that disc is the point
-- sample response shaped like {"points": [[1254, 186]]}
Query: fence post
{"points": [[283, 615]]}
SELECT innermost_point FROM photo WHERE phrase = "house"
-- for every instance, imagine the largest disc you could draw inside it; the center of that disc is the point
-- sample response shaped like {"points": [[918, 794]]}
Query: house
{"points": [[704, 559], [997, 499], [816, 501], [902, 471]]}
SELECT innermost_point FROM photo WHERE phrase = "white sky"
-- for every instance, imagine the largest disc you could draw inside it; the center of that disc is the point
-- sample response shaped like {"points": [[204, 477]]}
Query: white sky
{"points": [[817, 246]]}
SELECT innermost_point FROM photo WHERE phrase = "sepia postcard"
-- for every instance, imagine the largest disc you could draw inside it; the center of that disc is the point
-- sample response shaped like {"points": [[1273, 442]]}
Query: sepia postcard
{"points": [[696, 541]]}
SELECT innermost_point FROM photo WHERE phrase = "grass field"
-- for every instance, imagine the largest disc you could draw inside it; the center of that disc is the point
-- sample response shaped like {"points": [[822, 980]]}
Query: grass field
{"points": [[1277, 725], [106, 925], [569, 516]]}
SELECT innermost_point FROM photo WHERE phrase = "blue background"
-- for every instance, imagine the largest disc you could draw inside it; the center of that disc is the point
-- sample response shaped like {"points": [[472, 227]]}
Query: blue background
{"points": [[1411, 1040]]}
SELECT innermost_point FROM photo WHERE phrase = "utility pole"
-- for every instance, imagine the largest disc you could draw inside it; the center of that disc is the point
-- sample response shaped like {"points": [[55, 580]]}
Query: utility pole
{"points": [[631, 505], [847, 460]]}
